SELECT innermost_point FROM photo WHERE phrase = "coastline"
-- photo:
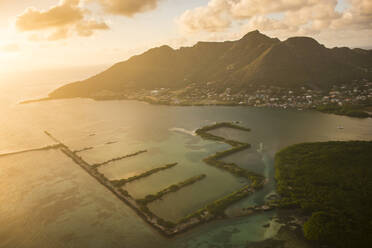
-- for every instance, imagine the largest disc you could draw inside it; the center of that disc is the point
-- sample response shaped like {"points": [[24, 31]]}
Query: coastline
{"points": [[363, 115], [324, 186]]}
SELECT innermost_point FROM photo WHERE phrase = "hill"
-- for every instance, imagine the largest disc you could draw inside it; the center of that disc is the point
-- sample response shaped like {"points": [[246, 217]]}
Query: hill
{"points": [[255, 59]]}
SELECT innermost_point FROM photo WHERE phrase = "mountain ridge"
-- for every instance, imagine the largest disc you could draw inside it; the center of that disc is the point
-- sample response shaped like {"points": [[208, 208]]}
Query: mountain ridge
{"points": [[255, 59]]}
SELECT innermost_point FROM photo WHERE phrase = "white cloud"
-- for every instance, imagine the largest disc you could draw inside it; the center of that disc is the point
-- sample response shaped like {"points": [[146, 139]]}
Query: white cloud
{"points": [[67, 12], [213, 17], [127, 7], [70, 17], [297, 17], [59, 21], [10, 48]]}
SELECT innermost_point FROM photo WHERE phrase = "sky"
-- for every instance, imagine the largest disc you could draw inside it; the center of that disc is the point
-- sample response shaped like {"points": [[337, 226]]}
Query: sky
{"points": [[40, 34]]}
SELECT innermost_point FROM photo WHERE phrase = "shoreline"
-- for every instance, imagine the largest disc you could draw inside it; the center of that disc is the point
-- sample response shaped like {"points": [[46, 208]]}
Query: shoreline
{"points": [[200, 104]]}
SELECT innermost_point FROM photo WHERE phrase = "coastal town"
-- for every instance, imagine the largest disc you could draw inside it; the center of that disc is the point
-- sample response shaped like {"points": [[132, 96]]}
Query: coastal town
{"points": [[355, 93]]}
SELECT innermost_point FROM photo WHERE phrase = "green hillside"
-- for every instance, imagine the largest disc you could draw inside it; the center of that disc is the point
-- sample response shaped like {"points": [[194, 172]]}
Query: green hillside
{"points": [[253, 60]]}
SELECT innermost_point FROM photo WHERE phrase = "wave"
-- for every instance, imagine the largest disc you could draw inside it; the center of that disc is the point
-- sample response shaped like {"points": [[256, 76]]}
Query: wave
{"points": [[182, 130]]}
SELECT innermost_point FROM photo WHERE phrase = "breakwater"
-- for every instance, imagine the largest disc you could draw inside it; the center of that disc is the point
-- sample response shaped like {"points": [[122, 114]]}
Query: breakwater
{"points": [[211, 211], [118, 158]]}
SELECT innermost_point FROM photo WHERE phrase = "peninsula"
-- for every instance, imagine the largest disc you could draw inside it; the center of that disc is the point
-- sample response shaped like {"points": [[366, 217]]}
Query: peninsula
{"points": [[329, 184]]}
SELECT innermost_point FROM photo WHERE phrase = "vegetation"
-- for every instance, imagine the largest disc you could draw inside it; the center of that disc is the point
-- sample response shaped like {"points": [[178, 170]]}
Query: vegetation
{"points": [[218, 207], [210, 211], [165, 224], [116, 187], [208, 128], [256, 58], [214, 160], [84, 149], [331, 183], [219, 155], [204, 132], [256, 179], [170, 189], [118, 158], [122, 182], [348, 110]]}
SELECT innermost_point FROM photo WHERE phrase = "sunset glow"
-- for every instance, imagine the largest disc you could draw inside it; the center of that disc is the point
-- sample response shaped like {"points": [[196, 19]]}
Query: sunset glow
{"points": [[185, 123], [50, 33]]}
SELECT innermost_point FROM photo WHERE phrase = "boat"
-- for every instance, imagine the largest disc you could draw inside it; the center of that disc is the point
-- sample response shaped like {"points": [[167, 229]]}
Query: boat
{"points": [[260, 149]]}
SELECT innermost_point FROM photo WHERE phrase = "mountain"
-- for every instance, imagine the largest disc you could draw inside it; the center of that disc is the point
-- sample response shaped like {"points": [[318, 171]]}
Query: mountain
{"points": [[255, 59]]}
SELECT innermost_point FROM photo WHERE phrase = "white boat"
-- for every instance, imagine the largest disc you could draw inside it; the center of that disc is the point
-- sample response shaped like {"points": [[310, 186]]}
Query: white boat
{"points": [[340, 127], [260, 149]]}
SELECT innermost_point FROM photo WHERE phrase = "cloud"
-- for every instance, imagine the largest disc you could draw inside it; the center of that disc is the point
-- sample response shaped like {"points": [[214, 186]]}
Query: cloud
{"points": [[364, 7], [308, 20], [292, 17], [61, 21], [218, 15], [59, 34], [358, 16], [250, 8], [70, 17], [213, 17], [11, 48], [128, 7], [65, 13], [86, 28]]}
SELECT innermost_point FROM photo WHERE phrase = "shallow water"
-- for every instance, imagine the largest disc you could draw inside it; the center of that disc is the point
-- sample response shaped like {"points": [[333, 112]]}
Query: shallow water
{"points": [[48, 201]]}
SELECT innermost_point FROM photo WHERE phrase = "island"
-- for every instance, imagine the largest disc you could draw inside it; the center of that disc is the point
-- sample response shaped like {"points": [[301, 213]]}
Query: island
{"points": [[328, 186], [255, 70]]}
